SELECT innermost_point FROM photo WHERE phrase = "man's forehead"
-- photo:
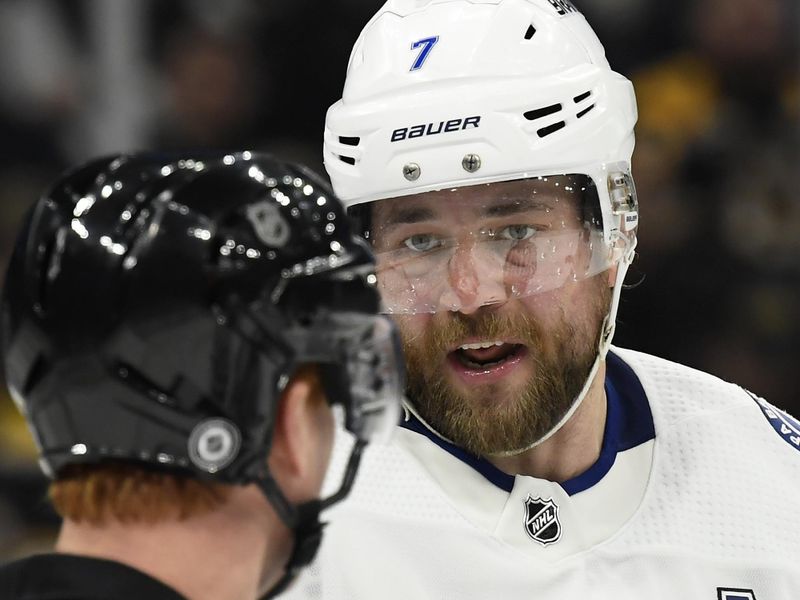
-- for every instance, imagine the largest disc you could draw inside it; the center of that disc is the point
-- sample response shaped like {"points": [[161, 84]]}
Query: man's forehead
{"points": [[488, 200]]}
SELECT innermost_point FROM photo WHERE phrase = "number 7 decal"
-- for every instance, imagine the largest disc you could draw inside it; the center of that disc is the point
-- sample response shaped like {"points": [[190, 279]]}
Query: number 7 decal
{"points": [[426, 44]]}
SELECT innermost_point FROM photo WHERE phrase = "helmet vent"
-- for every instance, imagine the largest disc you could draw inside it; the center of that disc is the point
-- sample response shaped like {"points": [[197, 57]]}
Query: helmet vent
{"points": [[135, 380], [530, 32], [347, 159], [349, 141], [538, 113], [582, 97], [585, 110], [545, 131]]}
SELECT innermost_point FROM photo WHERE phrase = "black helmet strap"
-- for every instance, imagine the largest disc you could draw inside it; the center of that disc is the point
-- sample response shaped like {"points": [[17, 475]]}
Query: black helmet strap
{"points": [[303, 519]]}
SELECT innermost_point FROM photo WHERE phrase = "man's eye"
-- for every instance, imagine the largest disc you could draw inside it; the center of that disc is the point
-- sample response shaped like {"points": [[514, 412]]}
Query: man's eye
{"points": [[517, 233], [422, 242]]}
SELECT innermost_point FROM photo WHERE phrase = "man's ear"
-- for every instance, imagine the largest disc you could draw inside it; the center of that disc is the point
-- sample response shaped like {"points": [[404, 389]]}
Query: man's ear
{"points": [[301, 438]]}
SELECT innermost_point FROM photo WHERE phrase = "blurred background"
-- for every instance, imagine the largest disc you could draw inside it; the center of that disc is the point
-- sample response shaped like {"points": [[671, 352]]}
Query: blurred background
{"points": [[716, 284]]}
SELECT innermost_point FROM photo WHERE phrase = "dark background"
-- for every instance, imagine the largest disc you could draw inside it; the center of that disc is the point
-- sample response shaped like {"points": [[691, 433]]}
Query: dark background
{"points": [[717, 279]]}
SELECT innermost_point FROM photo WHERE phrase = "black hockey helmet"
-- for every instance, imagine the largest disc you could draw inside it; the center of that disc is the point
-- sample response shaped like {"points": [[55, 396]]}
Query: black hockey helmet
{"points": [[155, 308]]}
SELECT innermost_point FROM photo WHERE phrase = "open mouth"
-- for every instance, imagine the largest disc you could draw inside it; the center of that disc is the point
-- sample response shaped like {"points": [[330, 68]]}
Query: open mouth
{"points": [[483, 356]]}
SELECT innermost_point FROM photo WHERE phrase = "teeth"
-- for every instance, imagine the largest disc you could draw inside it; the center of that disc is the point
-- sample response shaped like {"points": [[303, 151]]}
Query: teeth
{"points": [[480, 345]]}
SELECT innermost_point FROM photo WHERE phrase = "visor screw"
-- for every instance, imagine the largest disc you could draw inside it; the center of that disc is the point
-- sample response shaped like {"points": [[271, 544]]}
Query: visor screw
{"points": [[471, 163], [411, 171]]}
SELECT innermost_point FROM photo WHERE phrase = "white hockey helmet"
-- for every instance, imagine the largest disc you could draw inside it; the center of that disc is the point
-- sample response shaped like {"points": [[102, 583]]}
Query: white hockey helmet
{"points": [[442, 94]]}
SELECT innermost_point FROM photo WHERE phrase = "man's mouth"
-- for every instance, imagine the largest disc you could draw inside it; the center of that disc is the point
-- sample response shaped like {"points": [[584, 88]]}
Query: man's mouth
{"points": [[486, 355]]}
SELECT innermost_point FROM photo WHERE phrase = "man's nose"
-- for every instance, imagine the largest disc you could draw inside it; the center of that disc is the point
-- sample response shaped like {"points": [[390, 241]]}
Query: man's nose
{"points": [[475, 279]]}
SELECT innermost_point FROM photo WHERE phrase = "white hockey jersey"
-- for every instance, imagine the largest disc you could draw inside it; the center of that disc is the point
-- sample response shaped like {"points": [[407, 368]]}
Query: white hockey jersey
{"points": [[696, 495]]}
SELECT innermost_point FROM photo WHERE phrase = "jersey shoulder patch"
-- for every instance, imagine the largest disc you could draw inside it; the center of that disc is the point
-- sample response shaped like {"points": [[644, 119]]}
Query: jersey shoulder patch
{"points": [[784, 424]]}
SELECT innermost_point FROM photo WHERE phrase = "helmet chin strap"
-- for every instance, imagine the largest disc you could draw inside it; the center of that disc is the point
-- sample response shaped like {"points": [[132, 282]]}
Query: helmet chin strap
{"points": [[303, 520], [608, 328]]}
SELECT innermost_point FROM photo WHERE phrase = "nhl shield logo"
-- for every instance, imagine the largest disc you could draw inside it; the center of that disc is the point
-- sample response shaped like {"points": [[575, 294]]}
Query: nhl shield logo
{"points": [[541, 520], [268, 223]]}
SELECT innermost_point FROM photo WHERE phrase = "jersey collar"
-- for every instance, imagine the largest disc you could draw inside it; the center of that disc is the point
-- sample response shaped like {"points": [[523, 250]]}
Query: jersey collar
{"points": [[571, 516], [629, 423]]}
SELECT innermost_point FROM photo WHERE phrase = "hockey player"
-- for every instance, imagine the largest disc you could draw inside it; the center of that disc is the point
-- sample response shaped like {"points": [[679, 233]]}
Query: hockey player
{"points": [[486, 146], [175, 333]]}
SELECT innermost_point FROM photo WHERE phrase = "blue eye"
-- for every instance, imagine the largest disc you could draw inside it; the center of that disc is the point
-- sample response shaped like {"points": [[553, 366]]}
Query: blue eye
{"points": [[517, 233], [422, 242]]}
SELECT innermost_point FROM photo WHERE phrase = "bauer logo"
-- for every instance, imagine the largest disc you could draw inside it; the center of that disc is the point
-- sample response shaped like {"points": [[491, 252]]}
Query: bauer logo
{"points": [[541, 520], [735, 594], [563, 7], [415, 131]]}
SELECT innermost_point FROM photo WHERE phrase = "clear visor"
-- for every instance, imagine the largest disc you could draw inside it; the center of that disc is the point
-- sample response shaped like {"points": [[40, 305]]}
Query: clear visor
{"points": [[459, 249], [376, 373]]}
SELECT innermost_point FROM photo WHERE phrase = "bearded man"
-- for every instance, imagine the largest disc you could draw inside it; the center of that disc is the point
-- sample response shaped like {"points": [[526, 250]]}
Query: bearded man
{"points": [[485, 145]]}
